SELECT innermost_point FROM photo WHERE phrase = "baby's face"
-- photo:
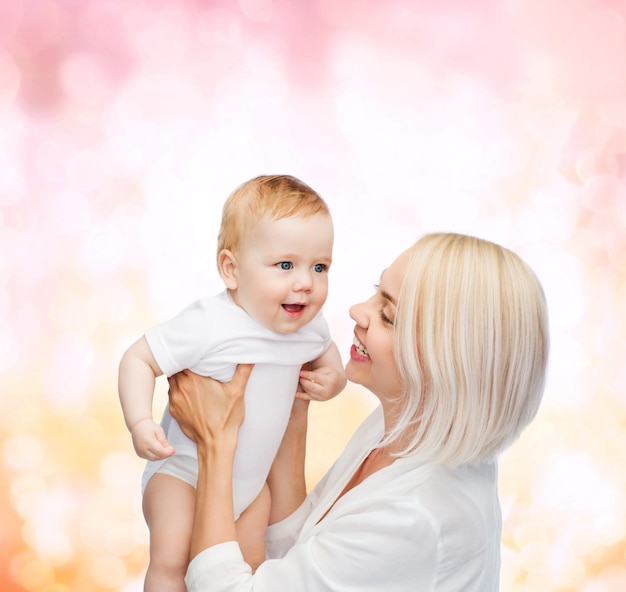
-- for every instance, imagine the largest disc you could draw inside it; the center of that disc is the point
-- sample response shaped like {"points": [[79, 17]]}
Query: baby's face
{"points": [[282, 271]]}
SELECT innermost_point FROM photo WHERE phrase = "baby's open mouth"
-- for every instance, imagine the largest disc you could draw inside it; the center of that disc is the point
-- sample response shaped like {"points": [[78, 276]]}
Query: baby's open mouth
{"points": [[292, 308]]}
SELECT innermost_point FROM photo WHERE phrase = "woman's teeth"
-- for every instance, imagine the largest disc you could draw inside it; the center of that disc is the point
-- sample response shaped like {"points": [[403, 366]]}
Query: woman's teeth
{"points": [[359, 348]]}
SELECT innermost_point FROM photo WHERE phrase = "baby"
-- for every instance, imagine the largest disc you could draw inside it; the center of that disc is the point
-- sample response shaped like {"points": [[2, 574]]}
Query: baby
{"points": [[274, 251]]}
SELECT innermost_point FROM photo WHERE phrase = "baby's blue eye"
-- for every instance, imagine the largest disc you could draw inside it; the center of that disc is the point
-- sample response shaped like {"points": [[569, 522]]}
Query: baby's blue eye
{"points": [[319, 267], [286, 265]]}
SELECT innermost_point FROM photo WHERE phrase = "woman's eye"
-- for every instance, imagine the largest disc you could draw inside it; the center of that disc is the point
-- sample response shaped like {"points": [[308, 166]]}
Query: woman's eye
{"points": [[384, 318], [286, 265], [319, 267]]}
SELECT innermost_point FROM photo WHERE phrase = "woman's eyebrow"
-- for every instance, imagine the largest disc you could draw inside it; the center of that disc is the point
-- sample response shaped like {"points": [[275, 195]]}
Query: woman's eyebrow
{"points": [[389, 297], [384, 294]]}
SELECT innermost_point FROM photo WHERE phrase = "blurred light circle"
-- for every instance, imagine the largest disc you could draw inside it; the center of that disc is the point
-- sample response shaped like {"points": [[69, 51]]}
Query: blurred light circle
{"points": [[257, 10], [594, 161], [119, 539], [9, 79], [219, 32], [69, 373], [113, 302], [83, 78], [9, 348], [36, 575], [602, 192], [48, 529], [26, 494], [57, 587], [609, 529], [108, 571], [613, 111], [119, 470], [23, 452], [535, 557], [84, 171], [71, 213], [612, 578], [11, 13]]}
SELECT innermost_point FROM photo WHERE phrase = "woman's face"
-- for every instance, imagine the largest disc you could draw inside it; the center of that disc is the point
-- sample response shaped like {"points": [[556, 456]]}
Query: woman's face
{"points": [[372, 361]]}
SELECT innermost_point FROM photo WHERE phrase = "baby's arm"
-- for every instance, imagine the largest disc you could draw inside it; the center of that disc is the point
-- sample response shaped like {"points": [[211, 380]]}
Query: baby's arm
{"points": [[137, 373], [325, 378]]}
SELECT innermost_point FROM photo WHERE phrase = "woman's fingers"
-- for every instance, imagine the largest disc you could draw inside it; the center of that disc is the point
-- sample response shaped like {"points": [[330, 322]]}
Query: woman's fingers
{"points": [[203, 405], [240, 378]]}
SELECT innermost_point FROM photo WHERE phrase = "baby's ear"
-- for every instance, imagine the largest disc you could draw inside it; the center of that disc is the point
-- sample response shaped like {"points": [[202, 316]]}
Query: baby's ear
{"points": [[227, 265]]}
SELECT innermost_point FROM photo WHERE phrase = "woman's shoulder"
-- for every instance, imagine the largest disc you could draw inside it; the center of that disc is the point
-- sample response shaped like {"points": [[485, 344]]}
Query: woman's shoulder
{"points": [[457, 510], [462, 505], [462, 492], [458, 507]]}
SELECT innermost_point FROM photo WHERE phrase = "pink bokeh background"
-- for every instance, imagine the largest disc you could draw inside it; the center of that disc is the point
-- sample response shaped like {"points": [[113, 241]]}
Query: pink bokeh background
{"points": [[124, 124]]}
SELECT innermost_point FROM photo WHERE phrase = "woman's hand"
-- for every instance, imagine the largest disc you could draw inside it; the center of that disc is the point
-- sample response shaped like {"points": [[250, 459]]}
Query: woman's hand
{"points": [[210, 413], [205, 408]]}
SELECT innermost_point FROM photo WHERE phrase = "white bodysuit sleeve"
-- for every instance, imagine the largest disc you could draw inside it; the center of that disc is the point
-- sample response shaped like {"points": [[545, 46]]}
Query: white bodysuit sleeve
{"points": [[183, 340]]}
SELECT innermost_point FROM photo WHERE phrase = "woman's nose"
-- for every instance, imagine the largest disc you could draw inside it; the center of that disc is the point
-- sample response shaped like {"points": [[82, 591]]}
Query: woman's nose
{"points": [[358, 313]]}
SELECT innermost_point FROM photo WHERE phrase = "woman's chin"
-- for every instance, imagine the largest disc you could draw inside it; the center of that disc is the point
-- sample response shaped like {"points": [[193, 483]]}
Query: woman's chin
{"points": [[353, 373]]}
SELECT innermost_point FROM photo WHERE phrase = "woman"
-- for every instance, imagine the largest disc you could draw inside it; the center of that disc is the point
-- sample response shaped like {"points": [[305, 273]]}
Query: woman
{"points": [[454, 343]]}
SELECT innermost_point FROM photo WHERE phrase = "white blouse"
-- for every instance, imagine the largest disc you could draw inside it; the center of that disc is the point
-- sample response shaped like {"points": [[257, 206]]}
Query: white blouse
{"points": [[407, 527]]}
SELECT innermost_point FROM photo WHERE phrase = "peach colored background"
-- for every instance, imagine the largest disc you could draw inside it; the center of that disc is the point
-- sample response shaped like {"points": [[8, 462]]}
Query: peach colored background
{"points": [[124, 125]]}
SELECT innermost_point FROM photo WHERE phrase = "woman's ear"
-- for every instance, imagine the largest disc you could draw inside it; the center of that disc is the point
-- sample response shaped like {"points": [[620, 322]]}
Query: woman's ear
{"points": [[227, 265]]}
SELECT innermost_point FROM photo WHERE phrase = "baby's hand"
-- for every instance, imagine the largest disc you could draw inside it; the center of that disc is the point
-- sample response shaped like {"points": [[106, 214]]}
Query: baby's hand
{"points": [[149, 440], [321, 384]]}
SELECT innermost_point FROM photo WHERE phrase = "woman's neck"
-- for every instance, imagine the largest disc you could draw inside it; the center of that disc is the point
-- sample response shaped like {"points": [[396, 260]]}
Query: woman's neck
{"points": [[390, 418], [377, 459]]}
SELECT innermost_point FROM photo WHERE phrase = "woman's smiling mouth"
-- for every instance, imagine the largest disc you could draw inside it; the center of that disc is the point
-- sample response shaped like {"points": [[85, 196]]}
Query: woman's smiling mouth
{"points": [[359, 349]]}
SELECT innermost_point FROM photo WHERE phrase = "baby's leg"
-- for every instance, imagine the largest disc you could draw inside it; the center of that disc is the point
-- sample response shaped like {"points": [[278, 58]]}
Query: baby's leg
{"points": [[168, 506], [251, 526]]}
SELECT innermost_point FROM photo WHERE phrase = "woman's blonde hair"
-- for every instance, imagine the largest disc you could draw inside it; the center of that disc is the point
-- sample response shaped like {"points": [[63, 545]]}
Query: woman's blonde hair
{"points": [[279, 196], [472, 348]]}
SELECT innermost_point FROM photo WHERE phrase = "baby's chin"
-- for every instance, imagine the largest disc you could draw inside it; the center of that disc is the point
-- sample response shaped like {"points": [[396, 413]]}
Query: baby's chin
{"points": [[290, 324]]}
